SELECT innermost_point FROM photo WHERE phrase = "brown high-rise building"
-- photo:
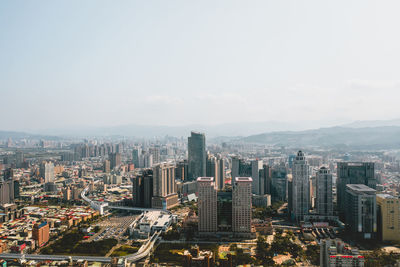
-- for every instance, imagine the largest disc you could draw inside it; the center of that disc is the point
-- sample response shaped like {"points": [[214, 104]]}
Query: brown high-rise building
{"points": [[41, 233], [164, 187]]}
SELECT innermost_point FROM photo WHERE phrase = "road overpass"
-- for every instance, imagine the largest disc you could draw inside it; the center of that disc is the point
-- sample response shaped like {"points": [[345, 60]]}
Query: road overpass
{"points": [[8, 256], [143, 252], [145, 249]]}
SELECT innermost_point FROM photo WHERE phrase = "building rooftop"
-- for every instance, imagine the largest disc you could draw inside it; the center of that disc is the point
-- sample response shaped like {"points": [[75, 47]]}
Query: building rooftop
{"points": [[362, 188], [205, 179], [386, 196], [244, 179]]}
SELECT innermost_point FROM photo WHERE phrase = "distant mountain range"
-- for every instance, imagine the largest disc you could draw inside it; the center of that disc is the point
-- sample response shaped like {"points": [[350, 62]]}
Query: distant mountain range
{"points": [[385, 137], [359, 134], [211, 131], [376, 123]]}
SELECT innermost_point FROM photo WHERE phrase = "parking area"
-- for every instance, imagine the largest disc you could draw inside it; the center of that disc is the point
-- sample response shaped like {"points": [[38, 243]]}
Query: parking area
{"points": [[114, 227]]}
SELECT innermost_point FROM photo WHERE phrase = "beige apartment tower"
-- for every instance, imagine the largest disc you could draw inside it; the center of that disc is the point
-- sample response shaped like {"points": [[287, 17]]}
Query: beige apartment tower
{"points": [[164, 188], [207, 205], [388, 217], [241, 206]]}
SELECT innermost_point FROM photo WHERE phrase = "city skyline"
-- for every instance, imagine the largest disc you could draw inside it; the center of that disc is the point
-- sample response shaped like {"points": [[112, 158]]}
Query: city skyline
{"points": [[251, 62], [199, 133]]}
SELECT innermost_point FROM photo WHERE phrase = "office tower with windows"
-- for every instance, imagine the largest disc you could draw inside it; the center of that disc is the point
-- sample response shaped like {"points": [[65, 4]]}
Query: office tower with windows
{"points": [[324, 201], [224, 211], [360, 210], [142, 189], [279, 183], [47, 171], [256, 166], [353, 173], [300, 188], [265, 180], [241, 168], [106, 166], [115, 160], [6, 191], [235, 161], [196, 155], [155, 152], [181, 171], [19, 159], [221, 174], [212, 168], [136, 154]]}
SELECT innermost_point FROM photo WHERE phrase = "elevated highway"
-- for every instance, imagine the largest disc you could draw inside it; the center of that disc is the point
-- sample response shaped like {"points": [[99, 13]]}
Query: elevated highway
{"points": [[8, 256]]}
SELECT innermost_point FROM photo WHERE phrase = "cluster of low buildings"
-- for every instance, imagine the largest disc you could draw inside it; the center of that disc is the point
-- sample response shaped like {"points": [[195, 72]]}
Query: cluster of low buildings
{"points": [[334, 252], [31, 227]]}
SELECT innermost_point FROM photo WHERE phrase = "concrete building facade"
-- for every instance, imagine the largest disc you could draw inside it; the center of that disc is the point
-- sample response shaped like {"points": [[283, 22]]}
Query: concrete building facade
{"points": [[164, 187], [388, 217], [360, 210], [241, 206], [300, 188], [324, 195], [353, 173], [207, 205]]}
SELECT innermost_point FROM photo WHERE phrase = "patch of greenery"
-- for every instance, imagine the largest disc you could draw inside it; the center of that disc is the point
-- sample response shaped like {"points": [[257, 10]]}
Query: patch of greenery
{"points": [[172, 253], [263, 253], [70, 244], [172, 234], [380, 258], [312, 254], [266, 212], [96, 248], [124, 251], [163, 253], [64, 245]]}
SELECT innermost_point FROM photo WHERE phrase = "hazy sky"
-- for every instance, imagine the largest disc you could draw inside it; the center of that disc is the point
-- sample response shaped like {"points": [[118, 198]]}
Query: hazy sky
{"points": [[100, 63]]}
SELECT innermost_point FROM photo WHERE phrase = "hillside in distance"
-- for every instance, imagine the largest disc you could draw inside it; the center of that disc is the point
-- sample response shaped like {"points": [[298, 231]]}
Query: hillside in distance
{"points": [[387, 137]]}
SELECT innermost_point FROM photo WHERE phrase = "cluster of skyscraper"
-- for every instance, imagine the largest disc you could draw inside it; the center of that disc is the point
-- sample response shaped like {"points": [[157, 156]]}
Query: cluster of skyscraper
{"points": [[145, 158], [156, 187], [356, 200], [228, 209], [9, 187]]}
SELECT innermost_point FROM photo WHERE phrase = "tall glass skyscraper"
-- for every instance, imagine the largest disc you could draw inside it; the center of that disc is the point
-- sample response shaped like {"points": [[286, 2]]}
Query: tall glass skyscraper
{"points": [[196, 156], [324, 192]]}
